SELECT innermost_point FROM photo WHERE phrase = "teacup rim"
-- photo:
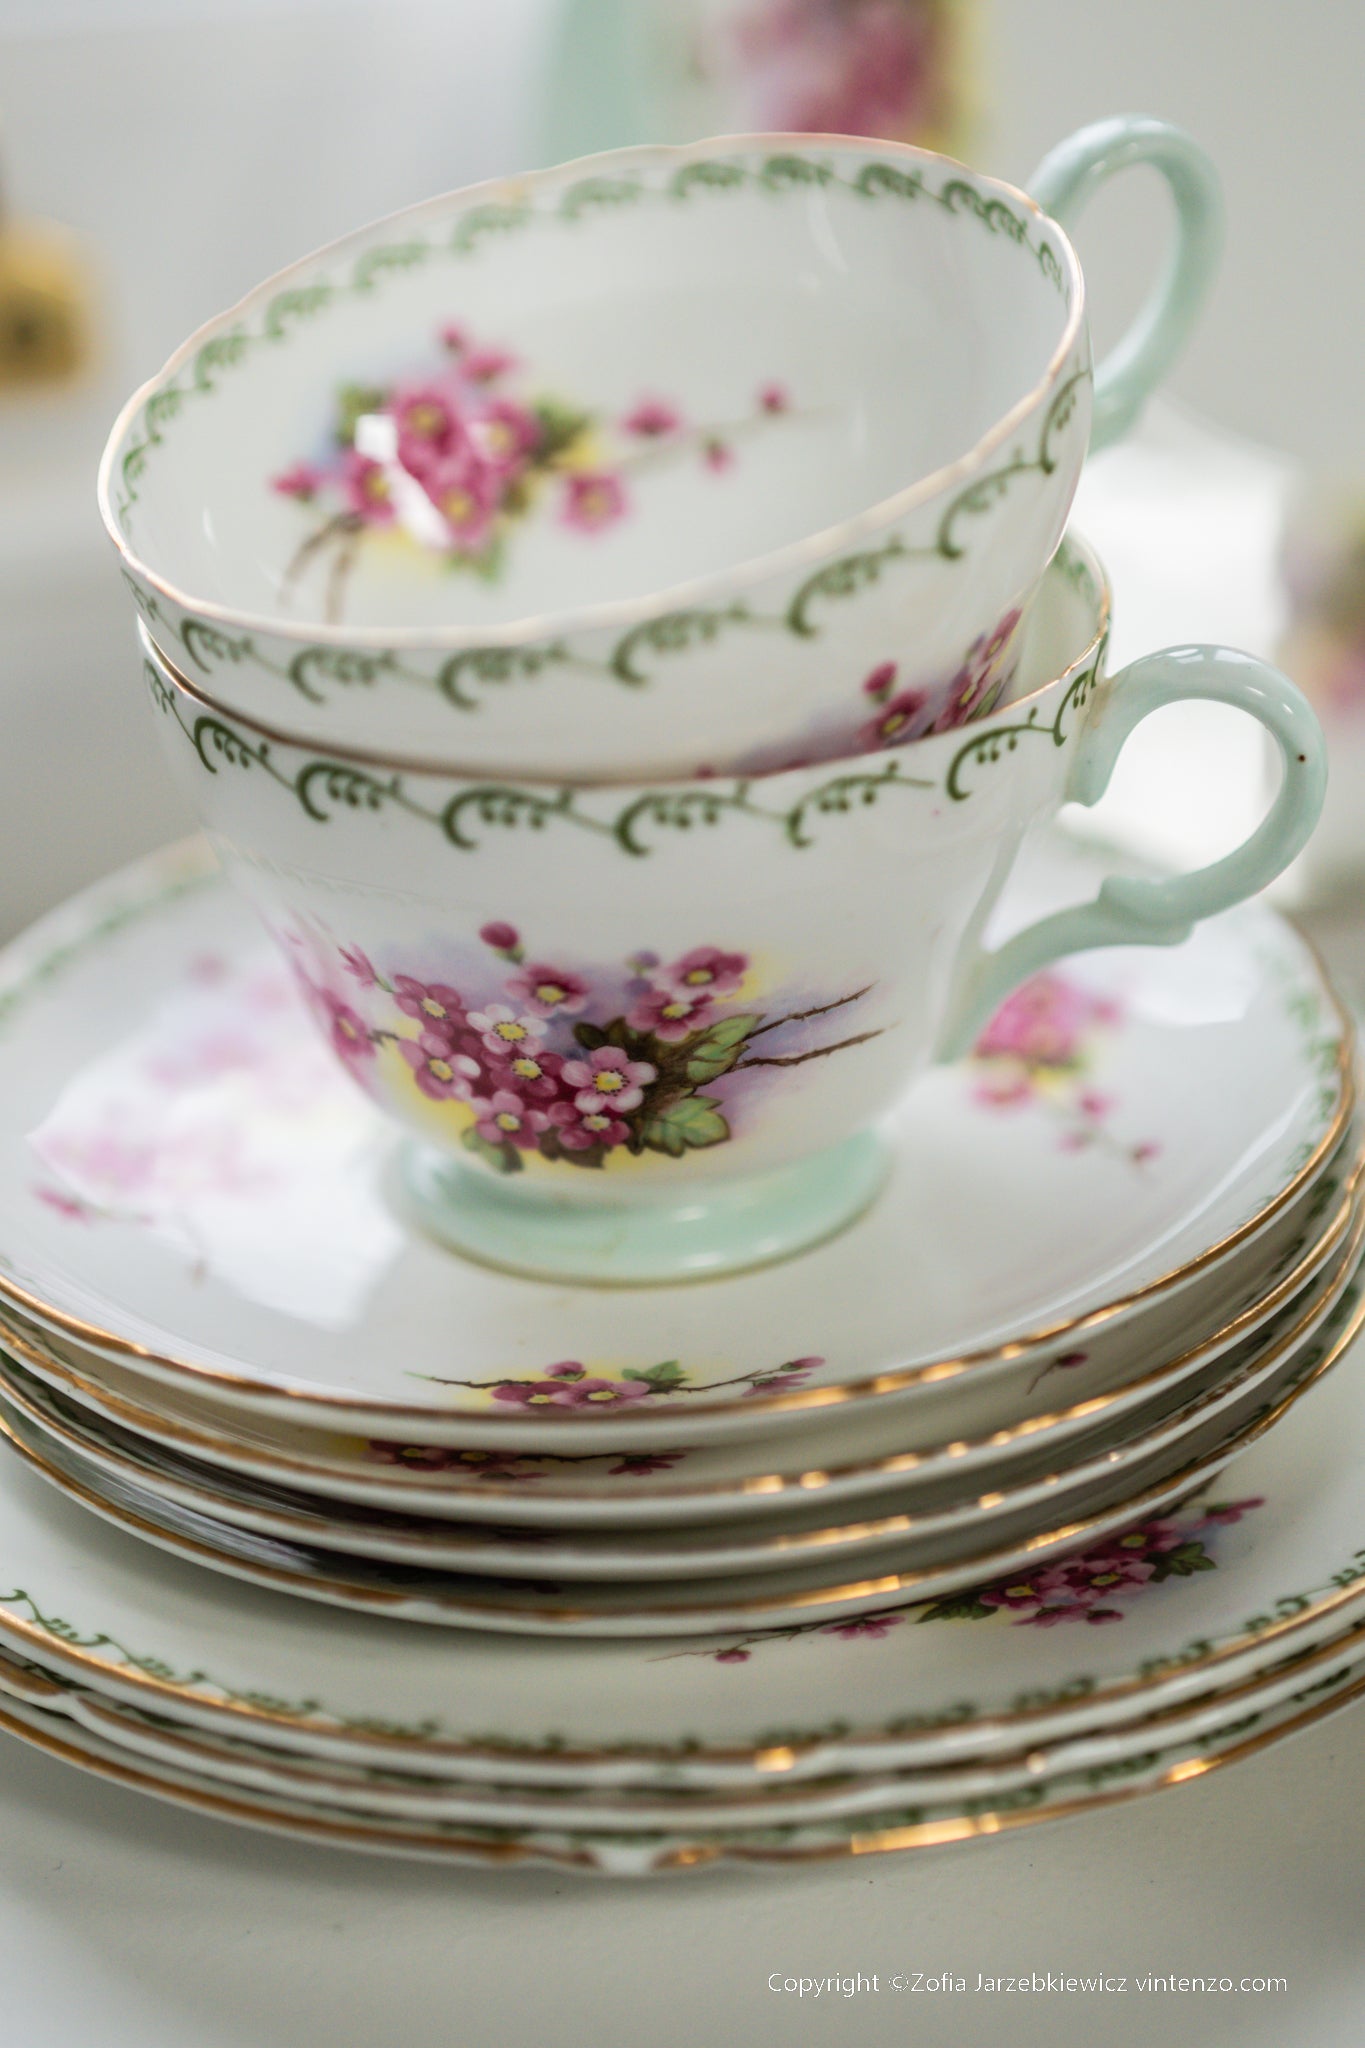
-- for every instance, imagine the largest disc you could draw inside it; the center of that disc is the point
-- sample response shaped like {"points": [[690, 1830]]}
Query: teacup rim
{"points": [[615, 614], [664, 785]]}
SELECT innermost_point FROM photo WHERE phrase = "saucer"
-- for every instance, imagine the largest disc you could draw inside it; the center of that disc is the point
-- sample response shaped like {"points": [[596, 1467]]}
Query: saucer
{"points": [[958, 1516], [189, 1186], [376, 1797], [850, 1457], [384, 1793], [893, 1826], [1259, 1570], [1103, 1502]]}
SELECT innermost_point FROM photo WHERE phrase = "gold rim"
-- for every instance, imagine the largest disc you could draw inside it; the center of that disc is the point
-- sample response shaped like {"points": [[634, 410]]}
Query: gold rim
{"points": [[882, 1589], [56, 1651], [921, 1835], [759, 1801], [621, 612], [875, 1386], [155, 1423], [896, 1381], [1000, 1500]]}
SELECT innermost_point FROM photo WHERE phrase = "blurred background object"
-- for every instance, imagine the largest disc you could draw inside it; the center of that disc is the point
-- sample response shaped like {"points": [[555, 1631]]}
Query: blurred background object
{"points": [[626, 71], [185, 148], [1322, 576]]}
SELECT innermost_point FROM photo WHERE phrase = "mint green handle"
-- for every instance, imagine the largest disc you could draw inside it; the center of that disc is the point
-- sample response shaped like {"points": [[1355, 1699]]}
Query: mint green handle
{"points": [[1068, 178], [1132, 912]]}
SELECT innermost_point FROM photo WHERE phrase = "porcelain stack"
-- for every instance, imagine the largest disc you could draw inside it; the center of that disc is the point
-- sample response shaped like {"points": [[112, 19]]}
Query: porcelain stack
{"points": [[637, 1145]]}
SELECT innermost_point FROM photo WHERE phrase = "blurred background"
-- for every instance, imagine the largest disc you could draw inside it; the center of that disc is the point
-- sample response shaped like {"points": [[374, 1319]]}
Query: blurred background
{"points": [[159, 157]]}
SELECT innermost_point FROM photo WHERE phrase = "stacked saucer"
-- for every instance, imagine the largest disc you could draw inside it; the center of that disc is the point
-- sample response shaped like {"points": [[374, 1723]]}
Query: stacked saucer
{"points": [[825, 1202], [219, 1340]]}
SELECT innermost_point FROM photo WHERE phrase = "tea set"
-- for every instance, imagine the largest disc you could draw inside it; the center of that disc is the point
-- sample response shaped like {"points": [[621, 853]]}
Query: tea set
{"points": [[636, 1137]]}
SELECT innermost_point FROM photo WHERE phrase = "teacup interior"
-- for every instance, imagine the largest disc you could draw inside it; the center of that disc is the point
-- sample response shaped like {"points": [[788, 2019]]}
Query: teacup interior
{"points": [[592, 386]]}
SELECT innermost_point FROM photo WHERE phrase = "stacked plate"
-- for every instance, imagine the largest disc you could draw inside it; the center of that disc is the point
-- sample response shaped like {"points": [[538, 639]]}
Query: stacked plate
{"points": [[1121, 1241]]}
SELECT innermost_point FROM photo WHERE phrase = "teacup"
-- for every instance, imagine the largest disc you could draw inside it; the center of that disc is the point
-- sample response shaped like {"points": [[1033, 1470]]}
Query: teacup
{"points": [[674, 459], [641, 1033]]}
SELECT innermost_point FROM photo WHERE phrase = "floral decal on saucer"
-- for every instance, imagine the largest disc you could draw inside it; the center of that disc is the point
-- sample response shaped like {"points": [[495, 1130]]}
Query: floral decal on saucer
{"points": [[1081, 1588], [452, 458], [517, 1467], [1084, 1588], [573, 1386], [570, 1065], [1039, 1048]]}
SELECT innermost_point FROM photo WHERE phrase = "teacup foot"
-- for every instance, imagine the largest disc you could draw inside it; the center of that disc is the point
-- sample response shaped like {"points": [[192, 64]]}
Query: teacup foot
{"points": [[640, 1242]]}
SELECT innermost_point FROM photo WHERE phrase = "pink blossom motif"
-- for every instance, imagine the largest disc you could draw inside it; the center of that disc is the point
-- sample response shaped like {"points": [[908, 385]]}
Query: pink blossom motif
{"points": [[505, 1031], [535, 1074], [640, 1464], [503, 938], [467, 494], [488, 458], [979, 682], [442, 1075], [1043, 1025], [1086, 1587], [705, 970], [571, 1386], [904, 717], [349, 1033], [359, 966], [608, 1081], [874, 1625], [593, 499], [505, 435], [70, 1206], [505, 1119], [718, 455], [430, 429], [303, 482], [671, 1014], [486, 365], [579, 1130], [437, 1007], [446, 1458], [735, 1655], [366, 489], [652, 418], [774, 398], [549, 991]]}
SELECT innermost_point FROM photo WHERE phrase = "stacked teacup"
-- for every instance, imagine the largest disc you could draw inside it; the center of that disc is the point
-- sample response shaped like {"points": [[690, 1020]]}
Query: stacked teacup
{"points": [[618, 628], [564, 550]]}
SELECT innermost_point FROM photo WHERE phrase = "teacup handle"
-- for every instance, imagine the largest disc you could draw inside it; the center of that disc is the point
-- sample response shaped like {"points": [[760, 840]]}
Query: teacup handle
{"points": [[1068, 178], [1132, 912]]}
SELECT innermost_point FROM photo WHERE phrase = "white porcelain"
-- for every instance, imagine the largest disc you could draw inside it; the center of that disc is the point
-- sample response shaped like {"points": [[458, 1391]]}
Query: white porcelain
{"points": [[643, 462], [117, 1734], [705, 993], [1102, 1504], [897, 1827], [188, 1185], [140, 1627], [957, 1519], [845, 1456]]}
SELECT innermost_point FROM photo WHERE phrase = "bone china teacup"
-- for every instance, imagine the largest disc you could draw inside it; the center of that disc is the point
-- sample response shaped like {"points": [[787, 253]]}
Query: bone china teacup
{"points": [[647, 1032], [648, 464]]}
